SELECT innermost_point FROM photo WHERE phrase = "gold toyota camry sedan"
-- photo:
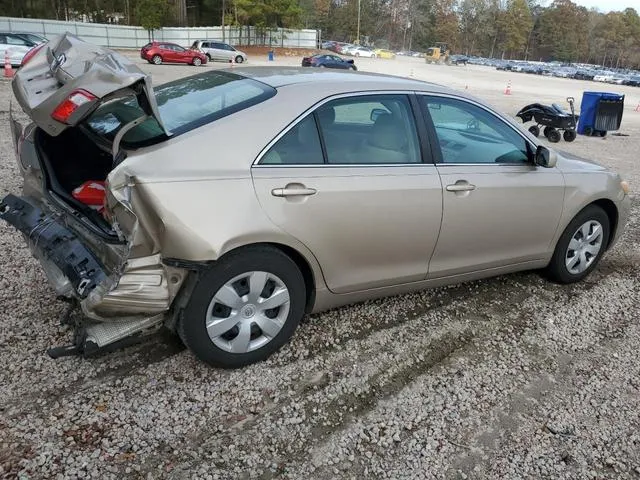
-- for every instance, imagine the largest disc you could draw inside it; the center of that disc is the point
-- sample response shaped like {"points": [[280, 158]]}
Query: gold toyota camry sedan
{"points": [[226, 205]]}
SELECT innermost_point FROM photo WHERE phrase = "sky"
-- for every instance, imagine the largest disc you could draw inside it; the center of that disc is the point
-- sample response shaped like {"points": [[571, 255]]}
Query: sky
{"points": [[608, 5]]}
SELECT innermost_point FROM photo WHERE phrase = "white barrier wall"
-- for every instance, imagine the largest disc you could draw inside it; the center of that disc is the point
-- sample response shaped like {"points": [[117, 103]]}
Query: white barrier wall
{"points": [[124, 36]]}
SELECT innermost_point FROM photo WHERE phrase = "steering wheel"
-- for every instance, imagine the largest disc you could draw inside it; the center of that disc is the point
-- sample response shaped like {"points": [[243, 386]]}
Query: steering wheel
{"points": [[473, 124]]}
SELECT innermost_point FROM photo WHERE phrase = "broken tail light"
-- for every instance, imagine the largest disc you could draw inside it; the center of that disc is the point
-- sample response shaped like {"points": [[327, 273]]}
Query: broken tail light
{"points": [[75, 100], [31, 53]]}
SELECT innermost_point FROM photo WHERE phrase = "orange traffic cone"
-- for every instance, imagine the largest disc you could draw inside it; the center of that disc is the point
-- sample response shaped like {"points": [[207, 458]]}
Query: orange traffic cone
{"points": [[508, 89], [8, 69]]}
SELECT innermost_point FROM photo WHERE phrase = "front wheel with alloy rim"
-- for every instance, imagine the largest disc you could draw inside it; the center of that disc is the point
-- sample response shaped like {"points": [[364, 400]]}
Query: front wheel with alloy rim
{"points": [[580, 246], [156, 59], [239, 59], [244, 308], [196, 61]]}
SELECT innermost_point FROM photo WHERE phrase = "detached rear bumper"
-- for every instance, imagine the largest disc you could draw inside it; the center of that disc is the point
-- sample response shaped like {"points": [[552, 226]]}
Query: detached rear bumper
{"points": [[71, 267], [132, 289]]}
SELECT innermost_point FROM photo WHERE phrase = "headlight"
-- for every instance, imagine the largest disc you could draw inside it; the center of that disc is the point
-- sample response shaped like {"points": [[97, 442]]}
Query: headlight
{"points": [[624, 185]]}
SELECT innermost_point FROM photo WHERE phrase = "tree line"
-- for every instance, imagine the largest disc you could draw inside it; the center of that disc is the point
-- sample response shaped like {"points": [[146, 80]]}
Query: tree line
{"points": [[510, 29]]}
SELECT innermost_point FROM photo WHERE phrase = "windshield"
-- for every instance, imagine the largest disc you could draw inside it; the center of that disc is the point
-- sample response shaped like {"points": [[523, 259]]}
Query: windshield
{"points": [[184, 104]]}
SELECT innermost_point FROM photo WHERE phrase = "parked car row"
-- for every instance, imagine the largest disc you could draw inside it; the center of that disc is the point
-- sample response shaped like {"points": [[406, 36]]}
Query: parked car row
{"points": [[201, 52], [357, 50], [578, 71]]}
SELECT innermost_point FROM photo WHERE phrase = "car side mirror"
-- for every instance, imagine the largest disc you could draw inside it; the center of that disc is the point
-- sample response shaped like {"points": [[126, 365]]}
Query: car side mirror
{"points": [[377, 112], [545, 158]]}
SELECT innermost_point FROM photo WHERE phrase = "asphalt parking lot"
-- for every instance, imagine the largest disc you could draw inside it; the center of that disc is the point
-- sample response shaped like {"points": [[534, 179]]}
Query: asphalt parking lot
{"points": [[512, 377]]}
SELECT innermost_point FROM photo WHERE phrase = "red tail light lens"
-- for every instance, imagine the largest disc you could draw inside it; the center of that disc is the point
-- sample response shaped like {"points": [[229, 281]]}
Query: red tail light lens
{"points": [[76, 99], [31, 53]]}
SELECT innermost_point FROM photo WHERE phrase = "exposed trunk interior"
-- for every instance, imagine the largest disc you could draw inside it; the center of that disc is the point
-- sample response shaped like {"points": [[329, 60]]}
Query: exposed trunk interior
{"points": [[74, 158], [70, 159]]}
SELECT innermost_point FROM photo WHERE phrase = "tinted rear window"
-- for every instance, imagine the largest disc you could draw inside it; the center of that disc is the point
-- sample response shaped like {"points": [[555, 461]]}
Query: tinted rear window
{"points": [[184, 104]]}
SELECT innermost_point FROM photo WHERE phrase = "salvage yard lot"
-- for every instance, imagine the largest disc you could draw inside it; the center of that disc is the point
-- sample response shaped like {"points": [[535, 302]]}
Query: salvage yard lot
{"points": [[505, 378]]}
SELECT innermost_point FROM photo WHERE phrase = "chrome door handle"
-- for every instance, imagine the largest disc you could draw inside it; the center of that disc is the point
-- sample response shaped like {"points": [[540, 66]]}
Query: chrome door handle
{"points": [[460, 187], [293, 192]]}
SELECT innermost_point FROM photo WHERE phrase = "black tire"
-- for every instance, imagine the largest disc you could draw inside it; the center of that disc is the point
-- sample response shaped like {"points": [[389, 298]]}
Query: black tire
{"points": [[156, 59], [553, 135], [209, 59], [602, 133], [239, 59], [354, 68], [192, 329], [557, 269], [534, 130], [588, 131], [569, 135], [545, 132], [196, 62]]}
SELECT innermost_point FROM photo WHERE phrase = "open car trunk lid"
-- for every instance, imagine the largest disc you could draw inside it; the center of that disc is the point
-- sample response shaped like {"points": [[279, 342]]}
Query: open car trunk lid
{"points": [[67, 65]]}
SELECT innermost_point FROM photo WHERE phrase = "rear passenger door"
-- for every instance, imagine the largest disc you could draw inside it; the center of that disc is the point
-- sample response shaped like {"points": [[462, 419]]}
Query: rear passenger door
{"points": [[354, 183]]}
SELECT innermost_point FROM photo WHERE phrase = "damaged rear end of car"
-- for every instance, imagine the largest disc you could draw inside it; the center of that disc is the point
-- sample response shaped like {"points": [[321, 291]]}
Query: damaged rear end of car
{"points": [[104, 257]]}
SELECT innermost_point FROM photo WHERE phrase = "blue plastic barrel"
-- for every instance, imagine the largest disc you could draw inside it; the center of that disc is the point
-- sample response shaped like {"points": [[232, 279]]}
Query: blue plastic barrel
{"points": [[270, 56], [590, 111]]}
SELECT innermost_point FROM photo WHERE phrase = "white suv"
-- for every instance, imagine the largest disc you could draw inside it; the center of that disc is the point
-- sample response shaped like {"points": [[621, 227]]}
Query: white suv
{"points": [[216, 50]]}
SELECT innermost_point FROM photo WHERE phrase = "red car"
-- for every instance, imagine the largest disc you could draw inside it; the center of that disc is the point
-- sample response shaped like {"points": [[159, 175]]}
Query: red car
{"points": [[158, 52]]}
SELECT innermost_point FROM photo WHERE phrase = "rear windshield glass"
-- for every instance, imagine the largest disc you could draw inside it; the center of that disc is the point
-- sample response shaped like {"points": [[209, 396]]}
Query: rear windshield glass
{"points": [[184, 104]]}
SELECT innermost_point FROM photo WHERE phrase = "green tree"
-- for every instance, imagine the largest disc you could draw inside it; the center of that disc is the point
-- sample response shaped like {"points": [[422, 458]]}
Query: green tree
{"points": [[151, 14], [564, 31], [446, 24], [516, 24]]}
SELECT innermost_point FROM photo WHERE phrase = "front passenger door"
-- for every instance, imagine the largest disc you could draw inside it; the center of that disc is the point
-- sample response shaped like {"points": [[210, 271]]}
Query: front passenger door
{"points": [[499, 208], [167, 53]]}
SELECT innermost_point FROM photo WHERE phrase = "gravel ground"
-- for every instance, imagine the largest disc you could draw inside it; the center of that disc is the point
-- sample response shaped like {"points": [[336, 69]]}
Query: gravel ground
{"points": [[512, 377]]}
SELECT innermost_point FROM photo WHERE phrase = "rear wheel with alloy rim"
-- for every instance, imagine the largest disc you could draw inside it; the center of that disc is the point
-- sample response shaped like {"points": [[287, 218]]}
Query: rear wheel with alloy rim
{"points": [[581, 246], [244, 308]]}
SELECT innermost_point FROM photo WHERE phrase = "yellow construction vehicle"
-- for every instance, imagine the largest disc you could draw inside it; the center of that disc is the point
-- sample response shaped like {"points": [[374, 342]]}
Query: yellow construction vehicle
{"points": [[437, 54]]}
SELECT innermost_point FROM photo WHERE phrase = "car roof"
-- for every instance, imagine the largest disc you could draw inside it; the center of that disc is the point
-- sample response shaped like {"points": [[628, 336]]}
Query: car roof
{"points": [[341, 81]]}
